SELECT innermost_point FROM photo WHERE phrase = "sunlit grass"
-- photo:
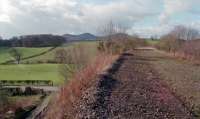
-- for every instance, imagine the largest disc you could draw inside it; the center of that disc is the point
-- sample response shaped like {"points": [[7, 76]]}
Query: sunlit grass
{"points": [[31, 72]]}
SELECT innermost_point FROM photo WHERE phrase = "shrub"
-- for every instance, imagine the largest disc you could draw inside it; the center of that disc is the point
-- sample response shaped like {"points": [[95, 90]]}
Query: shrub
{"points": [[73, 59], [117, 44], [181, 40], [191, 49]]}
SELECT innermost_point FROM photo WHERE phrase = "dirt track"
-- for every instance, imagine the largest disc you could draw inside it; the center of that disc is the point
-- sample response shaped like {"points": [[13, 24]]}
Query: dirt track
{"points": [[131, 90]]}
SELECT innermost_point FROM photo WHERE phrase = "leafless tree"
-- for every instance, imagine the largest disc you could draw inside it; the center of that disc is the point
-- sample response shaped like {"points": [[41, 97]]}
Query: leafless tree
{"points": [[185, 33], [182, 40], [72, 60], [16, 54], [115, 39], [61, 56]]}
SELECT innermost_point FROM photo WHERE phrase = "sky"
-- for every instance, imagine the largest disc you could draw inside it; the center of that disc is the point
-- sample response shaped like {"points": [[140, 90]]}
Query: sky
{"points": [[145, 18]]}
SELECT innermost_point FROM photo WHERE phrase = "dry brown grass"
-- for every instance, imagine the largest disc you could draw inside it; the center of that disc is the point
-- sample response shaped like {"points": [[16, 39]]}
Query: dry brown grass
{"points": [[63, 106]]}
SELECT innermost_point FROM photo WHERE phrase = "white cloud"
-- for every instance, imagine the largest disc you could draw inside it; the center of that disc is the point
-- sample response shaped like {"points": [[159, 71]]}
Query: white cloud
{"points": [[4, 11], [172, 7], [18, 17], [5, 18], [63, 16], [148, 31]]}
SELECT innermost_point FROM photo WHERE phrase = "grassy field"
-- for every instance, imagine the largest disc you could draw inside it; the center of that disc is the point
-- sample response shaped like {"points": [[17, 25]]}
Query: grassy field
{"points": [[35, 71], [152, 42], [49, 57], [31, 72], [5, 56]]}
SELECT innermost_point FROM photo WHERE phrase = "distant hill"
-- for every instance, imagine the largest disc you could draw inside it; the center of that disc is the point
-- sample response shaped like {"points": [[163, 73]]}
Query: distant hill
{"points": [[36, 40], [44, 40], [81, 37]]}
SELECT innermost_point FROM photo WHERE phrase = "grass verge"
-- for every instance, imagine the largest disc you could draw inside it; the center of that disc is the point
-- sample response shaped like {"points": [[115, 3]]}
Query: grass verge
{"points": [[73, 90]]}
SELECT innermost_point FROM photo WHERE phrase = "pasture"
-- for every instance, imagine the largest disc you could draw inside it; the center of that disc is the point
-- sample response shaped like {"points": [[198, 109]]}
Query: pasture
{"points": [[39, 67], [91, 48], [26, 52], [31, 72]]}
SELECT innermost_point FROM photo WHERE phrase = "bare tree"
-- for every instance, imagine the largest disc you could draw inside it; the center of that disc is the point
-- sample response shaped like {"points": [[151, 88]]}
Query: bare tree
{"points": [[185, 33], [111, 28], [72, 60], [16, 54], [182, 40], [192, 34], [60, 56], [115, 39]]}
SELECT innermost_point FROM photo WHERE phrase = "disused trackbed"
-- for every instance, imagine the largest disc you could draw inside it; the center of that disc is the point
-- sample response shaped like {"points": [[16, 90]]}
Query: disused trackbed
{"points": [[132, 90]]}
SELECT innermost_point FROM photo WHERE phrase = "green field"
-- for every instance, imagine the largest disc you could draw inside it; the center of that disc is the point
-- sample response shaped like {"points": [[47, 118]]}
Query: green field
{"points": [[152, 42], [33, 70], [49, 57], [5, 56]]}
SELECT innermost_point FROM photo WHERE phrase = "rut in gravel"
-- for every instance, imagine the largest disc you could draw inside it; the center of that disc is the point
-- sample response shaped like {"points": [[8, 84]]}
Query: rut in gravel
{"points": [[132, 90]]}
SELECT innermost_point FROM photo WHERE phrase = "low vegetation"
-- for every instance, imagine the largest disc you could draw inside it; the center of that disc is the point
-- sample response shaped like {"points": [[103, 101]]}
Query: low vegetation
{"points": [[180, 76]]}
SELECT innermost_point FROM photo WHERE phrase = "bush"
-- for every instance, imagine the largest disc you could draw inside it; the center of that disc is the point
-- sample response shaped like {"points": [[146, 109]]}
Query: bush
{"points": [[169, 43], [117, 44], [191, 49], [181, 40], [73, 59]]}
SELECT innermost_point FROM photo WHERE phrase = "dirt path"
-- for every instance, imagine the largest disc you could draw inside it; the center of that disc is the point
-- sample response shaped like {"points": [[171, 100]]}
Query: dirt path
{"points": [[131, 90]]}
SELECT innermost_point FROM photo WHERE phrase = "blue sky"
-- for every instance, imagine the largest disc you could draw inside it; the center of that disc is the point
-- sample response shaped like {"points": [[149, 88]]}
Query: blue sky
{"points": [[143, 17]]}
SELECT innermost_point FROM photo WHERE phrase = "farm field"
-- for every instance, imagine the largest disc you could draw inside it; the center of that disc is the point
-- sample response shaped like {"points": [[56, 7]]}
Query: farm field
{"points": [[5, 56], [40, 67], [31, 72], [49, 57]]}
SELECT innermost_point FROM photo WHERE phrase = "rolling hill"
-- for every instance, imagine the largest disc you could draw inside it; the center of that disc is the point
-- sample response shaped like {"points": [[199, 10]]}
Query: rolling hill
{"points": [[81, 37]]}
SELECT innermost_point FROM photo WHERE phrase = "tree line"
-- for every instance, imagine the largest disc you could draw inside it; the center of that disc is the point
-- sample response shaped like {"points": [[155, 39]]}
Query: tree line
{"points": [[182, 41], [43, 40]]}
